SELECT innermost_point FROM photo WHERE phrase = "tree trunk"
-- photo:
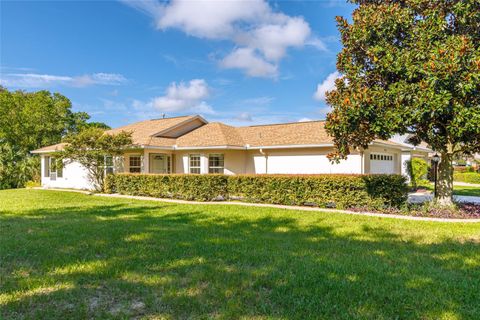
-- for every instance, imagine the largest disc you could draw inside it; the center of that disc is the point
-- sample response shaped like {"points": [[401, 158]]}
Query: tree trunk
{"points": [[445, 181]]}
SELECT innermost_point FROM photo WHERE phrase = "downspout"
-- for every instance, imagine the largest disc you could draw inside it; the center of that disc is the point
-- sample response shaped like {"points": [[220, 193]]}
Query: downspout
{"points": [[362, 159], [266, 160]]}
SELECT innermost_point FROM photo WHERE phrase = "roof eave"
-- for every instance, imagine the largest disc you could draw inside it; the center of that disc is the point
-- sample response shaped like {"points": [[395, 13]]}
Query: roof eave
{"points": [[199, 117]]}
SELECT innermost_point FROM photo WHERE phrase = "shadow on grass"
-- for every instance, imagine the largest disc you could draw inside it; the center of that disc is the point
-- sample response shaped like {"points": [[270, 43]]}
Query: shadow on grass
{"points": [[121, 261]]}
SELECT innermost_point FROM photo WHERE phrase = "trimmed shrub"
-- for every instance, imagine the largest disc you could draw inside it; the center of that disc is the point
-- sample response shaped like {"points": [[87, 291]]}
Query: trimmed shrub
{"points": [[178, 186], [417, 169], [333, 191], [468, 177], [336, 191], [463, 169]]}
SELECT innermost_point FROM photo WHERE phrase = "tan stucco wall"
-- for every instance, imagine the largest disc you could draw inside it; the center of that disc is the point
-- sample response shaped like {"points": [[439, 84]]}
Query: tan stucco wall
{"points": [[234, 160], [295, 160]]}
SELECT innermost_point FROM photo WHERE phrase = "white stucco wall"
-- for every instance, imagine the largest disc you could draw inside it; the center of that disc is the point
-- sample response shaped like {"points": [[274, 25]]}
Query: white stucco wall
{"points": [[301, 161], [75, 176]]}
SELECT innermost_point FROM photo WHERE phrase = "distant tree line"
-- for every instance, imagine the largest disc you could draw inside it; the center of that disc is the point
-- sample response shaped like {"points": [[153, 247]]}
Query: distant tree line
{"points": [[31, 120]]}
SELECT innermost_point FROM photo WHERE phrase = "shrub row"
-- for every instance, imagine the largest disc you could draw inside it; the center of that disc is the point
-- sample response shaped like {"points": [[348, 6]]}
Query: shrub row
{"points": [[335, 191], [469, 177], [179, 186]]}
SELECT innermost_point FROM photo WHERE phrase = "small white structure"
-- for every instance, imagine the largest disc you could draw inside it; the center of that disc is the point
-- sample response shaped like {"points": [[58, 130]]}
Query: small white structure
{"points": [[190, 144]]}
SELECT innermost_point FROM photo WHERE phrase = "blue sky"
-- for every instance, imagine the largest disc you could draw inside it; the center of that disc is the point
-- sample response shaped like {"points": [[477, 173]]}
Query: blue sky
{"points": [[239, 62]]}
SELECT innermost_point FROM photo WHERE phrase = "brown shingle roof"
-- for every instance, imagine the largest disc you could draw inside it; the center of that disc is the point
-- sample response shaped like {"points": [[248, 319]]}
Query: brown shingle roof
{"points": [[212, 134], [143, 131], [52, 148], [297, 133], [219, 134]]}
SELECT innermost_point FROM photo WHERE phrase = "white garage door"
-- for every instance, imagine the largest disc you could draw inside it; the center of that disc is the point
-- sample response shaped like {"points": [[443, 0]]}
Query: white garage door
{"points": [[381, 163]]}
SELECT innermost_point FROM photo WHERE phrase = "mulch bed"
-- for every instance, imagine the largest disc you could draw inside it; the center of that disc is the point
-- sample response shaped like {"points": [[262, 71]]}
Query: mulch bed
{"points": [[461, 211]]}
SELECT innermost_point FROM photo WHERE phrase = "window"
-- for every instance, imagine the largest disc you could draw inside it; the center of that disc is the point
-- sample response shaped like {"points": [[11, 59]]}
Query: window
{"points": [[381, 157], [135, 164], [108, 165], [194, 163], [59, 164], [53, 168], [215, 163], [46, 167]]}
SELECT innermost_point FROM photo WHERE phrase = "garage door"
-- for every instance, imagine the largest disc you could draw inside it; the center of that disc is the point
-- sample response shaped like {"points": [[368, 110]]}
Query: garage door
{"points": [[381, 163]]}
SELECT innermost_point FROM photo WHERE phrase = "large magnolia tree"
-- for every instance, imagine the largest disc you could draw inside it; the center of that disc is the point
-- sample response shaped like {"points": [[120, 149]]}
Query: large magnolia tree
{"points": [[410, 67]]}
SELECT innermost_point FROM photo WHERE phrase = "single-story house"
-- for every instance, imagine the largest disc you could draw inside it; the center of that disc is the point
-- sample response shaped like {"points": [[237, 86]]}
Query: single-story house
{"points": [[191, 144]]}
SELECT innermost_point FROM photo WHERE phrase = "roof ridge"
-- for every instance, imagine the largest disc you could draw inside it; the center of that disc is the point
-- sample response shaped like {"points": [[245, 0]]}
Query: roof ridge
{"points": [[184, 116], [280, 124], [224, 126]]}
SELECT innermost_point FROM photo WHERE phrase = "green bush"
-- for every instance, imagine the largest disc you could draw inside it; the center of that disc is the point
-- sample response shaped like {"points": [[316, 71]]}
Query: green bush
{"points": [[336, 191], [417, 169], [463, 169], [178, 186], [468, 177]]}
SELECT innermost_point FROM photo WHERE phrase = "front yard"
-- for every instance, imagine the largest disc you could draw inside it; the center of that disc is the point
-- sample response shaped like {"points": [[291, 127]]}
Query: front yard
{"points": [[73, 256]]}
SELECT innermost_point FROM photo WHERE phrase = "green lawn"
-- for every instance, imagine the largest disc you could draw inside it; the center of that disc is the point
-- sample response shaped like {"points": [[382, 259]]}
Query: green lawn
{"points": [[73, 256], [466, 191], [462, 190]]}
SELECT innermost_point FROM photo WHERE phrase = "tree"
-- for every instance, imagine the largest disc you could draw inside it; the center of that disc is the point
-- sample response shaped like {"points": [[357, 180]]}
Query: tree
{"points": [[409, 66], [91, 148], [28, 121]]}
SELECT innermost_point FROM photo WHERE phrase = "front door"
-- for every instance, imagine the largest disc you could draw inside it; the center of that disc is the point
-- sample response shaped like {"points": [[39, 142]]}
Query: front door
{"points": [[159, 163]]}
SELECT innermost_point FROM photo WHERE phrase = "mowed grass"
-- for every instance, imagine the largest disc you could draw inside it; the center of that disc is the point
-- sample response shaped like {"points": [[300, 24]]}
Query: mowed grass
{"points": [[461, 190], [466, 191], [73, 256]]}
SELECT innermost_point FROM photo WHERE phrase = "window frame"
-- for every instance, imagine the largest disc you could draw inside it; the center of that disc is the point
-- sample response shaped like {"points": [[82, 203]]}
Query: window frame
{"points": [[109, 167], [220, 168], [195, 167], [381, 157], [139, 166]]}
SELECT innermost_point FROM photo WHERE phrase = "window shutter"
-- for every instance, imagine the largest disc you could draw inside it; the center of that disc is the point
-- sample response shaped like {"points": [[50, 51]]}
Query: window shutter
{"points": [[46, 166]]}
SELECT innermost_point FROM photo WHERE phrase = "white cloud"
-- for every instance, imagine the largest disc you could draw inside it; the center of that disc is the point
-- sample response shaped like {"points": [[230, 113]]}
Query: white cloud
{"points": [[261, 34], [305, 119], [34, 80], [244, 117], [253, 65], [182, 97], [327, 85]]}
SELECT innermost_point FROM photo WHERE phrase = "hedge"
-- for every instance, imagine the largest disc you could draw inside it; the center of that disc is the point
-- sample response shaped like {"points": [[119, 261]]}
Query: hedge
{"points": [[179, 186], [334, 191], [469, 177]]}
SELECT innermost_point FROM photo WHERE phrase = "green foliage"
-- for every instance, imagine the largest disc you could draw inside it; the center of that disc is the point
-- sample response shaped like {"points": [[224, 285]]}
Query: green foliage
{"points": [[340, 191], [463, 169], [179, 186], [468, 177], [16, 168], [30, 121], [90, 147], [32, 184], [417, 169], [409, 67]]}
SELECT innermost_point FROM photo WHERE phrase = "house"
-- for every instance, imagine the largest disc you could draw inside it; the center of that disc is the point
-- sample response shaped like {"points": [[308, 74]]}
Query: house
{"points": [[191, 144]]}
